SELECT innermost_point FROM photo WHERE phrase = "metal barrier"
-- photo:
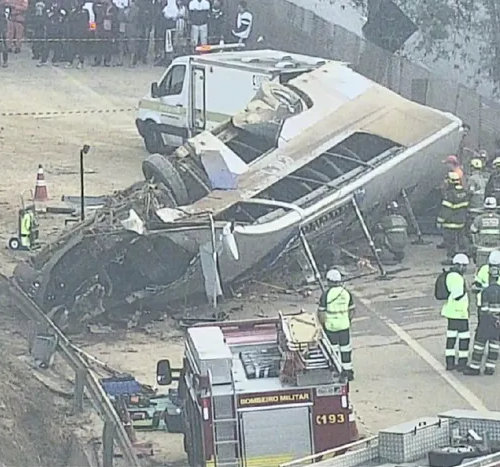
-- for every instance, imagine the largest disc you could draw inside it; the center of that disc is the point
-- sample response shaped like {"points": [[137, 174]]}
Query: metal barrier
{"points": [[331, 453], [85, 380]]}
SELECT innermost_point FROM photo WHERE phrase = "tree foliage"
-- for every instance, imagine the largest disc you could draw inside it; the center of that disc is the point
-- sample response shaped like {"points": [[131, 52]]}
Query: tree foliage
{"points": [[464, 32]]}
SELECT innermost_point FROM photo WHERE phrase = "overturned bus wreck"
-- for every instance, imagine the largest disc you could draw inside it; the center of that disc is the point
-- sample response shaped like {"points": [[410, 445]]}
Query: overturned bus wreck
{"points": [[233, 200]]}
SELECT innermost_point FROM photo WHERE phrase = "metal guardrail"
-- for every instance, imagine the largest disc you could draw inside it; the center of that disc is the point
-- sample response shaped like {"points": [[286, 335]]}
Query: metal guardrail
{"points": [[331, 453], [85, 379]]}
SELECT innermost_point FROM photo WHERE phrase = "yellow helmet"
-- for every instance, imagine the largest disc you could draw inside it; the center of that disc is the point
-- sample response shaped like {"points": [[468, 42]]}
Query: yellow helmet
{"points": [[476, 164], [453, 177], [496, 162]]}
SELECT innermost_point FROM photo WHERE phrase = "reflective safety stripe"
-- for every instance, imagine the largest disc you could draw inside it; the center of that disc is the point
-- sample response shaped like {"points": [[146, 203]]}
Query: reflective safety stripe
{"points": [[463, 353], [346, 348], [491, 365], [478, 347], [452, 226], [450, 205], [396, 229], [493, 309], [450, 352], [489, 231], [464, 335], [494, 346], [451, 333], [475, 365], [347, 366]]}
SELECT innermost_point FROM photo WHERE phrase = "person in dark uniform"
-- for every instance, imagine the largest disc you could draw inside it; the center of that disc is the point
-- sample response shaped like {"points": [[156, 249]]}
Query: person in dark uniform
{"points": [[493, 184], [145, 22], [107, 33], [79, 34], [56, 18], [4, 26], [216, 23], [488, 331], [39, 29], [453, 216], [391, 237]]}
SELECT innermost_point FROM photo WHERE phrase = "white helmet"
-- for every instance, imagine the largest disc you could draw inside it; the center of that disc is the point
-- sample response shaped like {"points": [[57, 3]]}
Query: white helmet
{"points": [[490, 203], [494, 258], [460, 259], [333, 276]]}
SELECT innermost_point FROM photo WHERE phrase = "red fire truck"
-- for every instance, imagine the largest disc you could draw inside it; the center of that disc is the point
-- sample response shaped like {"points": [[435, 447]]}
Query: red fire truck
{"points": [[260, 392]]}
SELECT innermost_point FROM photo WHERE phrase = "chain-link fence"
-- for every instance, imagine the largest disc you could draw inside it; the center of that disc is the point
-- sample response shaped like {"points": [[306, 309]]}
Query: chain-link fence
{"points": [[286, 26]]}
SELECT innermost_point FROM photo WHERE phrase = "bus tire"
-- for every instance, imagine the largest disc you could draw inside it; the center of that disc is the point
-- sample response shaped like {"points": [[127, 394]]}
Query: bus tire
{"points": [[153, 141], [158, 168]]}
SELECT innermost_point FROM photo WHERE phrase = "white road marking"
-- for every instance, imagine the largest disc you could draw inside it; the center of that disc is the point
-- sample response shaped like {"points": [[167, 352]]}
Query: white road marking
{"points": [[402, 309], [357, 319], [456, 385]]}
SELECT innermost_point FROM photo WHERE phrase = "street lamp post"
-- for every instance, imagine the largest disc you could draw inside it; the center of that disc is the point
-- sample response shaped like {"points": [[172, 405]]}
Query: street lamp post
{"points": [[85, 149]]}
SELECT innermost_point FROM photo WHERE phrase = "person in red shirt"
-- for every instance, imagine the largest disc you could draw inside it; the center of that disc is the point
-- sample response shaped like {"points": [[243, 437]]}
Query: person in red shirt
{"points": [[453, 165]]}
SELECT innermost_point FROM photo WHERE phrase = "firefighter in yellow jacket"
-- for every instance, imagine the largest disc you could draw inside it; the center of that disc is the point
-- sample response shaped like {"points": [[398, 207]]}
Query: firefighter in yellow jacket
{"points": [[453, 216], [456, 312], [335, 311]]}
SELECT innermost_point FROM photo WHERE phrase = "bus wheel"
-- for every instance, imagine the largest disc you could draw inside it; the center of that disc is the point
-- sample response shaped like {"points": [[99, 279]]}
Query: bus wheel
{"points": [[158, 168]]}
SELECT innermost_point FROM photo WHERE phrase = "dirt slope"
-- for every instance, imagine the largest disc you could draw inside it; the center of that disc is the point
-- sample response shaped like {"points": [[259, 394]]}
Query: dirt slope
{"points": [[32, 419], [31, 423]]}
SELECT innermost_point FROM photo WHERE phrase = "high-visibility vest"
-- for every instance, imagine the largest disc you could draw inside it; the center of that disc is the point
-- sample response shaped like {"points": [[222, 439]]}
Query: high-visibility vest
{"points": [[457, 305], [337, 309], [26, 224], [483, 278]]}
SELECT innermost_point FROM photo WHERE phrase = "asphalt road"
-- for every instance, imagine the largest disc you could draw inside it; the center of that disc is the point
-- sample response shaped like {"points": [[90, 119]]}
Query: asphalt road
{"points": [[399, 339]]}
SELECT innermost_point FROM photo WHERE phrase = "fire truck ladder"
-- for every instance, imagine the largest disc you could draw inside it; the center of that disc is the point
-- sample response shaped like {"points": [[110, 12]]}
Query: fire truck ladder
{"points": [[322, 355], [225, 427]]}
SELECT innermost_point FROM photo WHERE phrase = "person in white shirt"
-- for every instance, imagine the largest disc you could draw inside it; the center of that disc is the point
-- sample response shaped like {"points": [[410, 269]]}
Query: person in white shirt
{"points": [[199, 11], [244, 22]]}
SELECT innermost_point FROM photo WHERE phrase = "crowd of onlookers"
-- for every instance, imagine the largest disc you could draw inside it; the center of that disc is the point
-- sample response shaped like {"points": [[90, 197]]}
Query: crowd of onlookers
{"points": [[118, 32]]}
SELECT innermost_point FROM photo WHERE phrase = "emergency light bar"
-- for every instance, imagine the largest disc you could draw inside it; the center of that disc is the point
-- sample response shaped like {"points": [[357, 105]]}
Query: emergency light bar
{"points": [[205, 49]]}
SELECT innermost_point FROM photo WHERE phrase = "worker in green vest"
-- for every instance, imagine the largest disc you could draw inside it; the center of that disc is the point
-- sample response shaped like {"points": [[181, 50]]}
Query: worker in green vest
{"points": [[488, 329], [456, 311], [335, 311], [27, 226], [481, 280]]}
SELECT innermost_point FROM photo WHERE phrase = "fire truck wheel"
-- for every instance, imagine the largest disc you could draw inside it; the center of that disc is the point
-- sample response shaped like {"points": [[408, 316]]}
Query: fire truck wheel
{"points": [[173, 423], [451, 456], [155, 423], [158, 168], [189, 450], [153, 141]]}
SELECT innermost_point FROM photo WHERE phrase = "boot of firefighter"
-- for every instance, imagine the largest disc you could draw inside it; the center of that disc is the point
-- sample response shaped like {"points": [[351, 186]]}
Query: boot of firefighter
{"points": [[491, 357], [474, 367]]}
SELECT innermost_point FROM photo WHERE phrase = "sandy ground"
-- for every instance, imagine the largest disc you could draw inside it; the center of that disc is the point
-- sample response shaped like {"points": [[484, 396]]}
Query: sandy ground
{"points": [[55, 136], [73, 108], [398, 333]]}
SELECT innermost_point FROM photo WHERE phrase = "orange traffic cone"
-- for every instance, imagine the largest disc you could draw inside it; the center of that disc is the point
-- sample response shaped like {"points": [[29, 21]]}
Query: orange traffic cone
{"points": [[41, 193]]}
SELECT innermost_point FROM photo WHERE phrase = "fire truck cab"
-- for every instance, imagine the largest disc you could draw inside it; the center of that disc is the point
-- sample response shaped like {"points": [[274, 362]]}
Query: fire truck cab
{"points": [[260, 392]]}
